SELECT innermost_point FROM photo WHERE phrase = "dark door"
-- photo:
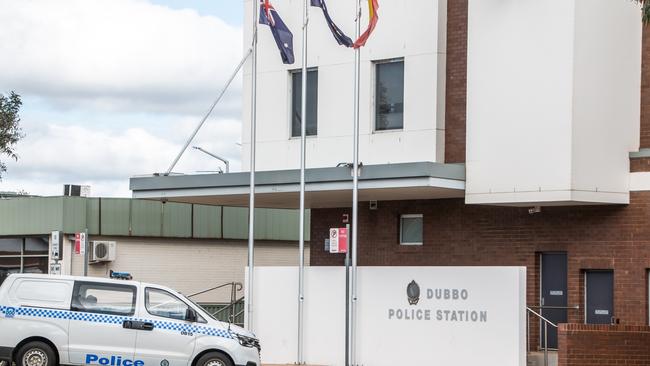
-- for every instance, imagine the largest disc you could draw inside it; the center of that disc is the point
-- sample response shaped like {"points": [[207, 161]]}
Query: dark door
{"points": [[599, 296], [553, 297]]}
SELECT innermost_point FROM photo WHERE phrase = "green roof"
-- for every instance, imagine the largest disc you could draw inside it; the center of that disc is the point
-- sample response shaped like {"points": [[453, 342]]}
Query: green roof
{"points": [[142, 218]]}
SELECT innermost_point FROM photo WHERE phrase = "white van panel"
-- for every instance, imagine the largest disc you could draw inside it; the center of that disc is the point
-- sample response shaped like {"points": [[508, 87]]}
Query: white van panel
{"points": [[48, 294]]}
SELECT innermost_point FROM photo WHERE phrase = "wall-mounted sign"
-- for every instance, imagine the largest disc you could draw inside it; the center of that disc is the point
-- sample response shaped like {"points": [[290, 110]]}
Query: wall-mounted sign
{"points": [[80, 243], [460, 316], [55, 248], [339, 240], [55, 268]]}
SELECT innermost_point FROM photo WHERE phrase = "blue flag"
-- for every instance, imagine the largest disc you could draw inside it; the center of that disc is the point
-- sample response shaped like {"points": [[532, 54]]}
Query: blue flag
{"points": [[282, 35], [338, 34]]}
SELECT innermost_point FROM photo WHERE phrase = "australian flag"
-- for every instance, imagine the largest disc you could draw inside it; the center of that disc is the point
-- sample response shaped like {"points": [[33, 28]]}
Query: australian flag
{"points": [[282, 35], [338, 34]]}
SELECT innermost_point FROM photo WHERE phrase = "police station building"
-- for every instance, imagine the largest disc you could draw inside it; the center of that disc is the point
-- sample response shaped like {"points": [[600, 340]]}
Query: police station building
{"points": [[493, 133]]}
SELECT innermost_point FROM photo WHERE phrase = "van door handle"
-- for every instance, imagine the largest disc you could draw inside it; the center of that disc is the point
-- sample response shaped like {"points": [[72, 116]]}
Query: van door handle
{"points": [[132, 324]]}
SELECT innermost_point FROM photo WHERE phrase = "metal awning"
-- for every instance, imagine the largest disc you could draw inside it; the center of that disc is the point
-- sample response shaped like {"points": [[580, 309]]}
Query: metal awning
{"points": [[325, 187]]}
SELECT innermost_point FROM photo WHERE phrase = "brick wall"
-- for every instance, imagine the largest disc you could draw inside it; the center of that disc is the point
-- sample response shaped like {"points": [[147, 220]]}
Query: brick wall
{"points": [[639, 165], [604, 345], [645, 90], [456, 98], [594, 237]]}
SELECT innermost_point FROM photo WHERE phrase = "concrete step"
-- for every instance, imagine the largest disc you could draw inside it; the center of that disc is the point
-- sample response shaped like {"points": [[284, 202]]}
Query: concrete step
{"points": [[537, 358]]}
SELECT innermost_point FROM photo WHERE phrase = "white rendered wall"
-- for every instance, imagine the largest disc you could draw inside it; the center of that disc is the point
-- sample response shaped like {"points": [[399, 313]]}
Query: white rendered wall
{"points": [[553, 100], [185, 265], [384, 337], [417, 36]]}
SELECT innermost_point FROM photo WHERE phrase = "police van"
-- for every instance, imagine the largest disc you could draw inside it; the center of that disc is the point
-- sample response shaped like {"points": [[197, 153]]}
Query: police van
{"points": [[51, 320]]}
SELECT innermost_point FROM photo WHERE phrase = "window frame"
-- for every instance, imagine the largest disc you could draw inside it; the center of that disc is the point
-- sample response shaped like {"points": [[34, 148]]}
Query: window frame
{"points": [[22, 254], [99, 285], [199, 319], [290, 101], [401, 229], [373, 119]]}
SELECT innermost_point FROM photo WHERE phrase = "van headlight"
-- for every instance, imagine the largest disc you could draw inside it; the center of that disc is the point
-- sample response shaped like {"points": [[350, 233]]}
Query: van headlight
{"points": [[248, 341]]}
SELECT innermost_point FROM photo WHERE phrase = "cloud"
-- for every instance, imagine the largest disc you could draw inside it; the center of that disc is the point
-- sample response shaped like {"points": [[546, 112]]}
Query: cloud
{"points": [[54, 155], [112, 88], [117, 55]]}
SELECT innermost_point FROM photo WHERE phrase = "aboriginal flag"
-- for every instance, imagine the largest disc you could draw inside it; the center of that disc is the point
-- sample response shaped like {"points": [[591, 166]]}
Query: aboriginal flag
{"points": [[373, 6], [281, 33]]}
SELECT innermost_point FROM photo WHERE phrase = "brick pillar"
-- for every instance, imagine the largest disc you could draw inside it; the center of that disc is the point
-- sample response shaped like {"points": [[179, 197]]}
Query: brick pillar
{"points": [[456, 93], [645, 89]]}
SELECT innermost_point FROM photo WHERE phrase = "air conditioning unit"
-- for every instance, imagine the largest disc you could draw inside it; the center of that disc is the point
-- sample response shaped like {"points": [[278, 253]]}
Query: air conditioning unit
{"points": [[103, 251]]}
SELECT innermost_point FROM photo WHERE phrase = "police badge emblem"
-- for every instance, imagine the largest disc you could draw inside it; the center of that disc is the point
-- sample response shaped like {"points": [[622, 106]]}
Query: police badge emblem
{"points": [[413, 293], [10, 313]]}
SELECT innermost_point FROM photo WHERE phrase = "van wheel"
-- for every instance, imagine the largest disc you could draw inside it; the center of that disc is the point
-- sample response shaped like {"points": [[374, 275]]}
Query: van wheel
{"points": [[35, 354], [214, 359]]}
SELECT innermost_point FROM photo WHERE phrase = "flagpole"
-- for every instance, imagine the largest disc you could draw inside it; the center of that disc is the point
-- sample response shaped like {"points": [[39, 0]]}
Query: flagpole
{"points": [[303, 139], [251, 203], [355, 190]]}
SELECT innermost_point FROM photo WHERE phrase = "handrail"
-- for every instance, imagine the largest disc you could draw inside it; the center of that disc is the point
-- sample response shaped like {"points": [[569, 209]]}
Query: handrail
{"points": [[546, 324], [237, 285], [541, 317], [232, 304], [234, 288]]}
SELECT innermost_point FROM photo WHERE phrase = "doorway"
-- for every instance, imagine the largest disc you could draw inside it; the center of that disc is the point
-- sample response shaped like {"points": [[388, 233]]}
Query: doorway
{"points": [[553, 294], [599, 297]]}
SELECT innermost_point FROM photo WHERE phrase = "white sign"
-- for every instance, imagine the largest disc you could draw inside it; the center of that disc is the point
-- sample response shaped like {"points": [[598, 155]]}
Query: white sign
{"points": [[82, 237], [462, 316], [55, 268], [55, 251], [334, 240]]}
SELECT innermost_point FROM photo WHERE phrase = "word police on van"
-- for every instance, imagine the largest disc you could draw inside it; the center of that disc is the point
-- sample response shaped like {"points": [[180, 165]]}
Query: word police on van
{"points": [[113, 361], [47, 320]]}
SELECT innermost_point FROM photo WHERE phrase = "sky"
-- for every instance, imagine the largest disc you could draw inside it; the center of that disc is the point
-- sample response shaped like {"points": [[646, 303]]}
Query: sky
{"points": [[112, 88]]}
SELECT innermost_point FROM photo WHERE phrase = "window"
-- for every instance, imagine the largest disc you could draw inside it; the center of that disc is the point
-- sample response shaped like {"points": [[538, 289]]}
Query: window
{"points": [[23, 255], [103, 298], [389, 95], [32, 292], [162, 303], [411, 227], [312, 103]]}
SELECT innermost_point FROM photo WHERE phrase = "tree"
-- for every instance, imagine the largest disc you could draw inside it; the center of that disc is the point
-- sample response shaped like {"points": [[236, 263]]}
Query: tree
{"points": [[10, 132], [645, 6]]}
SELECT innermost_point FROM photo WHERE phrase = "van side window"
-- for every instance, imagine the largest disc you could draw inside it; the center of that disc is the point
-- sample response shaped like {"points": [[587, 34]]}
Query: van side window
{"points": [[103, 298], [162, 303]]}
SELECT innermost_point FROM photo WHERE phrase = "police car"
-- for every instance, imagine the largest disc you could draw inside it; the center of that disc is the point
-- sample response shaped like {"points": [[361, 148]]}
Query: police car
{"points": [[52, 320]]}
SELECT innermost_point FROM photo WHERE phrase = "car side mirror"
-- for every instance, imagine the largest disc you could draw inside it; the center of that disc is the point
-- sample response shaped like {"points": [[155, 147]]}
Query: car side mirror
{"points": [[190, 315]]}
